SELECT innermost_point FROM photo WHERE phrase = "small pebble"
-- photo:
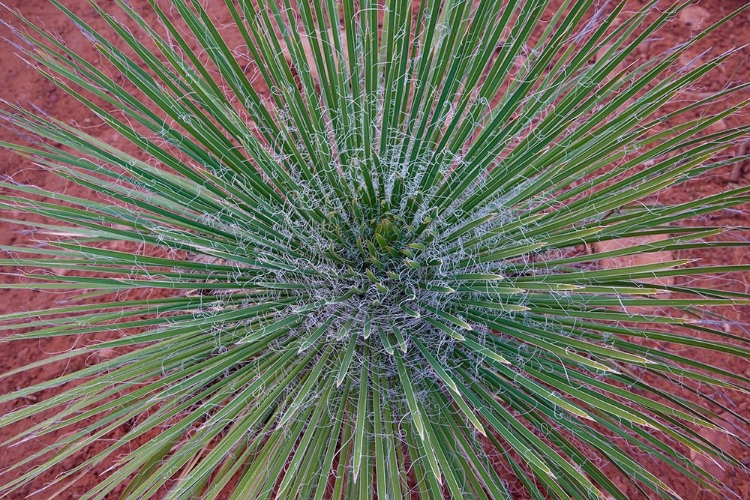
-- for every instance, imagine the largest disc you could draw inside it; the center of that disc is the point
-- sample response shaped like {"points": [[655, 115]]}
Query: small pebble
{"points": [[695, 17]]}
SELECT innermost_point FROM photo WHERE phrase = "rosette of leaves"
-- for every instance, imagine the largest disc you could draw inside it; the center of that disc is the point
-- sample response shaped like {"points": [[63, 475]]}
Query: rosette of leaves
{"points": [[370, 279]]}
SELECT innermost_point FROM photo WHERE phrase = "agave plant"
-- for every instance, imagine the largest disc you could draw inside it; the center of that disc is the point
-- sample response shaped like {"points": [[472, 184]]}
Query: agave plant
{"points": [[373, 278]]}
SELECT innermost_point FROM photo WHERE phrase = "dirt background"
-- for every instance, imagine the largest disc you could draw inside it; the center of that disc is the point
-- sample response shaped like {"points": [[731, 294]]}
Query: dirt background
{"points": [[20, 83]]}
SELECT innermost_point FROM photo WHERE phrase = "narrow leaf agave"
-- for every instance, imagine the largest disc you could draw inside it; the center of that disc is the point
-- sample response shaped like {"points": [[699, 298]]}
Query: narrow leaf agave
{"points": [[372, 280]]}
